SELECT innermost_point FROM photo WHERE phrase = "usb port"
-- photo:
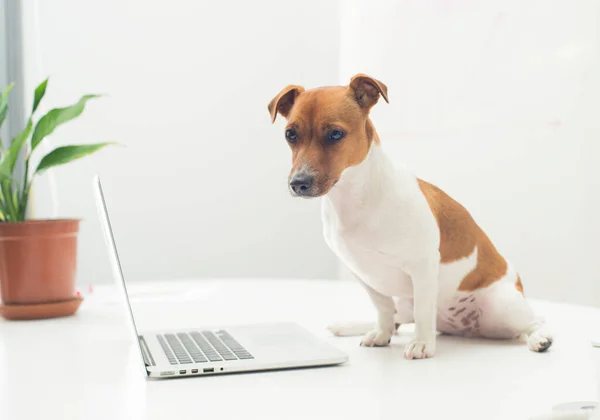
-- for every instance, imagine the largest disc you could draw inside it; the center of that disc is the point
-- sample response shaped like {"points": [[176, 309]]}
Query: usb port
{"points": [[194, 370], [208, 370], [182, 372]]}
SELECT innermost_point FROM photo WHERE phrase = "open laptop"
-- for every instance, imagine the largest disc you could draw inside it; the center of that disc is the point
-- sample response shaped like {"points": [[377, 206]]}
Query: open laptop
{"points": [[209, 350]]}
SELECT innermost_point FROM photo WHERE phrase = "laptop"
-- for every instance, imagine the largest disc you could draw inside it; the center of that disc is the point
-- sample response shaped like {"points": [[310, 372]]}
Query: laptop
{"points": [[210, 350]]}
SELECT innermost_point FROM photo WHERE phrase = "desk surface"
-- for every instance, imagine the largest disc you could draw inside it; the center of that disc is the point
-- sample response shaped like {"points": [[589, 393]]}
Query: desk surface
{"points": [[85, 367]]}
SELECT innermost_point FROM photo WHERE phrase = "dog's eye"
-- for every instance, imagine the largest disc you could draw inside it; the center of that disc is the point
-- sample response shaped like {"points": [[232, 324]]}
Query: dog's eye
{"points": [[335, 135], [291, 135]]}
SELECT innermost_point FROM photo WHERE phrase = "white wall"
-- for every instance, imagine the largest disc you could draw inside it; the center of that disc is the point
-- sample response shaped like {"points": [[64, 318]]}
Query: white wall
{"points": [[200, 188], [497, 103]]}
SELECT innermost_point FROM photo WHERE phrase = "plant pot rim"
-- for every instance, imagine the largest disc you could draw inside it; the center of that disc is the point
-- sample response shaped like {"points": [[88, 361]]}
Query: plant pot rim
{"points": [[38, 228], [41, 221]]}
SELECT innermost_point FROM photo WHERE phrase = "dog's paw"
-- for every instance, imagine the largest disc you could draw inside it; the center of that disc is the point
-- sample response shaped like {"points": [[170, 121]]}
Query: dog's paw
{"points": [[539, 341], [376, 338], [419, 349], [350, 329]]}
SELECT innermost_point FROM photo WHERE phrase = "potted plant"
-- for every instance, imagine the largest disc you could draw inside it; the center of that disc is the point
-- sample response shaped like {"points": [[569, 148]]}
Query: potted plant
{"points": [[37, 257]]}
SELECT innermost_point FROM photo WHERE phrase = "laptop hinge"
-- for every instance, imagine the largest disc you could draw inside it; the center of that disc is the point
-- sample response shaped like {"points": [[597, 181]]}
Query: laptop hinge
{"points": [[148, 359]]}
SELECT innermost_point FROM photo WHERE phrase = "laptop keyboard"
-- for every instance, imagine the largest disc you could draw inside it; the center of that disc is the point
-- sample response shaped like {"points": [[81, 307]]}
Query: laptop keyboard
{"points": [[199, 347]]}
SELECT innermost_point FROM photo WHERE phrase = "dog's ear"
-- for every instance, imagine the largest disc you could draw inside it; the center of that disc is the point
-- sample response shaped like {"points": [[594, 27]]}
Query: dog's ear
{"points": [[367, 90], [284, 101]]}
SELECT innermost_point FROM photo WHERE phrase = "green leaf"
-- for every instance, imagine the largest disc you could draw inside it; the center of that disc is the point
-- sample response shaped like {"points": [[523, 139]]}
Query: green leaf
{"points": [[4, 174], [4, 103], [66, 154], [3, 211], [4, 96], [15, 199], [3, 113], [9, 158], [25, 188], [24, 201], [18, 142], [56, 117], [11, 209], [40, 91]]}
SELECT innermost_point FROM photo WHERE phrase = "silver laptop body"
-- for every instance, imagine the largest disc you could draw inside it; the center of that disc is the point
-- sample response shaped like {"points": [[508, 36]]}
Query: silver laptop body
{"points": [[210, 350]]}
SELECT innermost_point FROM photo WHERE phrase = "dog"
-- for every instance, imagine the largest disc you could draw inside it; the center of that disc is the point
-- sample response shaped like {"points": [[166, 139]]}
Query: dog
{"points": [[418, 253]]}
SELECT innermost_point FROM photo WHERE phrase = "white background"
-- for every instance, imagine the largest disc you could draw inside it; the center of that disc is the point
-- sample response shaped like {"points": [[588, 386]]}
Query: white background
{"points": [[495, 102]]}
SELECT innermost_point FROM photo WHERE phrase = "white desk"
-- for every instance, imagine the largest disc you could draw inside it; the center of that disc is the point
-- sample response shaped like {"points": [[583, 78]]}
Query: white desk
{"points": [[83, 367]]}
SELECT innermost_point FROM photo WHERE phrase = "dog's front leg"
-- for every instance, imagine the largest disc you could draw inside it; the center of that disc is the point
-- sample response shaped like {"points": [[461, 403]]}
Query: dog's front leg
{"points": [[381, 335], [425, 289]]}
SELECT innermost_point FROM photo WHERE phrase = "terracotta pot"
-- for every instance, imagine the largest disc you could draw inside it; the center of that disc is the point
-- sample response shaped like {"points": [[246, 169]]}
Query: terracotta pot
{"points": [[38, 260]]}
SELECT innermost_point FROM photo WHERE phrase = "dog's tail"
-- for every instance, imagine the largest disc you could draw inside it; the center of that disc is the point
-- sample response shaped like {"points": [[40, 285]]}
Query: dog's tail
{"points": [[350, 329]]}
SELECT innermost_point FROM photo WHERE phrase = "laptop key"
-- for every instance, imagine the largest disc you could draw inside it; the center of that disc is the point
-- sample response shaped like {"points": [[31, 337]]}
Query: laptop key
{"points": [[198, 347], [166, 350], [192, 349], [180, 353], [209, 352], [219, 345]]}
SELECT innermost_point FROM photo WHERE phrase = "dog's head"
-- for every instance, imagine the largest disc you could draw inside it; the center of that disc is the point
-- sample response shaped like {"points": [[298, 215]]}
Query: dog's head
{"points": [[328, 130]]}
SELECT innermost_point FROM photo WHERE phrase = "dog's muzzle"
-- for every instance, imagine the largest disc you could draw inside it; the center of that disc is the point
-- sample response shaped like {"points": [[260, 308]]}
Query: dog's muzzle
{"points": [[302, 184]]}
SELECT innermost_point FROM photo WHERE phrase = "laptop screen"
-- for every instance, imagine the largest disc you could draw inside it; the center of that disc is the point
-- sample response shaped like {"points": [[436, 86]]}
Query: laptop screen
{"points": [[116, 264]]}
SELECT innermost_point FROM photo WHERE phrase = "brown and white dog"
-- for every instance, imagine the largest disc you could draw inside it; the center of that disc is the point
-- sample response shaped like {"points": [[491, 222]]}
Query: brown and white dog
{"points": [[419, 254]]}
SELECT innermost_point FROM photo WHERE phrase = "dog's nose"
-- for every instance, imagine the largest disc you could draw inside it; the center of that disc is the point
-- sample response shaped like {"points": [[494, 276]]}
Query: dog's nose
{"points": [[301, 183]]}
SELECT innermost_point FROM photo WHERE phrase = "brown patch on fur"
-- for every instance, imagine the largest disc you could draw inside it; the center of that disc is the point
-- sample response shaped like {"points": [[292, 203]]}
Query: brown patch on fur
{"points": [[459, 235], [519, 285], [489, 269], [371, 133]]}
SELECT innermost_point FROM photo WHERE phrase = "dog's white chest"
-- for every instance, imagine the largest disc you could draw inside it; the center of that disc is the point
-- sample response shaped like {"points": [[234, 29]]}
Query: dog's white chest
{"points": [[377, 221], [358, 250]]}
